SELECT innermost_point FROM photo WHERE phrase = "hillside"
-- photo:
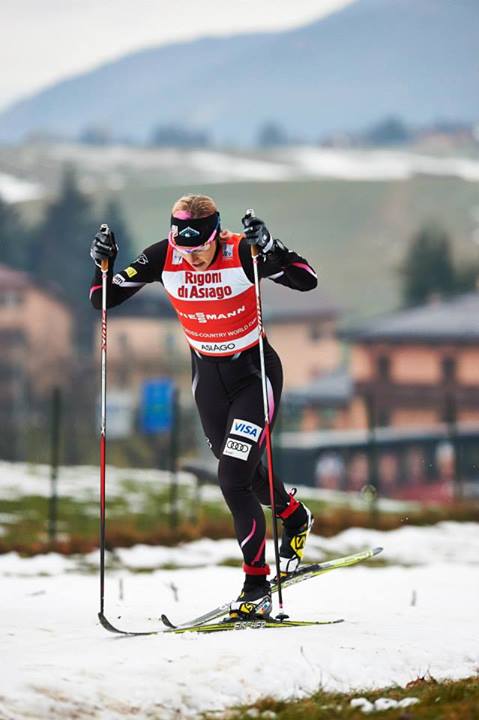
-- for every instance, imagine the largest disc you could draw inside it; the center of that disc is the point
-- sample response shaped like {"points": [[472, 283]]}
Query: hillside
{"points": [[353, 228], [374, 58]]}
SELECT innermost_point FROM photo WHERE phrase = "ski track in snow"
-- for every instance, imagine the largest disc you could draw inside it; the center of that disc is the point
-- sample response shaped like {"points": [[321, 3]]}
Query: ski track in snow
{"points": [[400, 623]]}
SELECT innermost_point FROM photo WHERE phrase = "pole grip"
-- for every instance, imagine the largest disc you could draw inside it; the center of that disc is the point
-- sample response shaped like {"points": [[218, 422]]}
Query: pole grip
{"points": [[249, 214], [104, 229]]}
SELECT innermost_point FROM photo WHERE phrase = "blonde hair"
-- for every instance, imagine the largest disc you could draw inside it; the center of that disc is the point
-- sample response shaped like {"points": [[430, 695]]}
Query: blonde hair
{"points": [[198, 206]]}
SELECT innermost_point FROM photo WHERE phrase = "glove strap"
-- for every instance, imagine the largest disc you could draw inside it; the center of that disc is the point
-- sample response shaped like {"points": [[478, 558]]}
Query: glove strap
{"points": [[269, 247]]}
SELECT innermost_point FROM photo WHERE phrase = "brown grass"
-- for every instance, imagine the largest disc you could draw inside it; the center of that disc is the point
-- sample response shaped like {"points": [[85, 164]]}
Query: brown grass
{"points": [[449, 700]]}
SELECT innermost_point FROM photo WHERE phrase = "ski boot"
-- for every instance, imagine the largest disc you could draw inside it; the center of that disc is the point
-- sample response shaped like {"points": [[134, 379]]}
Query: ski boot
{"points": [[254, 602], [297, 523]]}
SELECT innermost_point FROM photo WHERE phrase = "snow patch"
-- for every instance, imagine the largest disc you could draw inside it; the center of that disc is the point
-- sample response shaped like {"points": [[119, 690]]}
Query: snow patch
{"points": [[60, 657], [177, 166], [382, 704], [444, 544], [14, 190], [81, 482], [377, 164]]}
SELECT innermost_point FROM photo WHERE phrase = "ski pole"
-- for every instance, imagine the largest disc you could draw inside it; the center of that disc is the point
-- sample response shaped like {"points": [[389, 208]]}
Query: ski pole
{"points": [[249, 215], [104, 229]]}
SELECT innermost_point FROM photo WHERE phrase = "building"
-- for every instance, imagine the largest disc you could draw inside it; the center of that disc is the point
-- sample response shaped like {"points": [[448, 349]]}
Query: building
{"points": [[408, 424], [35, 354], [301, 326], [419, 367], [35, 333], [322, 404], [145, 340]]}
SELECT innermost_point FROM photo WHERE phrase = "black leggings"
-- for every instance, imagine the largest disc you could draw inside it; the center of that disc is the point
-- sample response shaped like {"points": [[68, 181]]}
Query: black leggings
{"points": [[229, 397]]}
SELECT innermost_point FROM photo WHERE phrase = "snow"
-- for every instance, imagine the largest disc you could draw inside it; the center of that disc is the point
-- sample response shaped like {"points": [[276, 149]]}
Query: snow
{"points": [[179, 166], [13, 189], [401, 622], [446, 542], [81, 482], [377, 164], [382, 704]]}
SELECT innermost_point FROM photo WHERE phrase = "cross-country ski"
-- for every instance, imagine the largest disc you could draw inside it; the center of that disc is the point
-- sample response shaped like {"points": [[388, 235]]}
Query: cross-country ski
{"points": [[307, 572]]}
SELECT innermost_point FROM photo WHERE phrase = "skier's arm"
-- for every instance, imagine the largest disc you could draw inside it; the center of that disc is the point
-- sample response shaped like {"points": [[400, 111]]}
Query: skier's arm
{"points": [[147, 268], [281, 265]]}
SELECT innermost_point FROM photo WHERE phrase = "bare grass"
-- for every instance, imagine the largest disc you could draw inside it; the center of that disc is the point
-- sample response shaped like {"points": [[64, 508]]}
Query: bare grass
{"points": [[433, 700]]}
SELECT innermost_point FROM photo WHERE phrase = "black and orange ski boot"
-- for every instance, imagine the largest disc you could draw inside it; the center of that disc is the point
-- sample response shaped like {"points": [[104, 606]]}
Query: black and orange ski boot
{"points": [[254, 602], [297, 523]]}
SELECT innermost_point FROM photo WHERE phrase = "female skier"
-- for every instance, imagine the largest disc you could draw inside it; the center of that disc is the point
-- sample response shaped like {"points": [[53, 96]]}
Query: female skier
{"points": [[208, 276]]}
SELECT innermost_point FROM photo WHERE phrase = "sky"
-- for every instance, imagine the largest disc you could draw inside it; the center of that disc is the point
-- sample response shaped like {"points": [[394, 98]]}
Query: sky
{"points": [[43, 41]]}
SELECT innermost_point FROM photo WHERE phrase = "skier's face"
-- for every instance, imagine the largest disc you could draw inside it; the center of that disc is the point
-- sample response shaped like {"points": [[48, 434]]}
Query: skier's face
{"points": [[202, 259]]}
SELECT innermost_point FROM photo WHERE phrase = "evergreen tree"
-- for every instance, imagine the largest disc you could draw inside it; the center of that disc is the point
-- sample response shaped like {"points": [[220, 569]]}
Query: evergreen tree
{"points": [[390, 131], [13, 238], [115, 220], [178, 136], [428, 268], [271, 135], [60, 253], [467, 277]]}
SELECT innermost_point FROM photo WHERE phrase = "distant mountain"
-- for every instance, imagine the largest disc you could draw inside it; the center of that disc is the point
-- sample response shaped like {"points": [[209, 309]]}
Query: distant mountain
{"points": [[415, 59]]}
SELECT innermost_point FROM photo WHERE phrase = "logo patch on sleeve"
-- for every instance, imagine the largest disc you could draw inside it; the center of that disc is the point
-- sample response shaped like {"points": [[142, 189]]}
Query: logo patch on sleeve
{"points": [[246, 429], [131, 272], [237, 449]]}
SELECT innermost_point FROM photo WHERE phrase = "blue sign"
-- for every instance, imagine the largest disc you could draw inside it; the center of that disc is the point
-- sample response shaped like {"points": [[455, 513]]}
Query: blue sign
{"points": [[157, 405]]}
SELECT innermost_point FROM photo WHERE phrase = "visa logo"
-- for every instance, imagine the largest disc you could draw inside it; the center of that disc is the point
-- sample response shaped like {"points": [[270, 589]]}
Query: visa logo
{"points": [[246, 429]]}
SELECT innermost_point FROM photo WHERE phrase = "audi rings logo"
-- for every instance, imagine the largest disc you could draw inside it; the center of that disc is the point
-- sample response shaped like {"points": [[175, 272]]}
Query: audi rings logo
{"points": [[235, 445], [237, 449]]}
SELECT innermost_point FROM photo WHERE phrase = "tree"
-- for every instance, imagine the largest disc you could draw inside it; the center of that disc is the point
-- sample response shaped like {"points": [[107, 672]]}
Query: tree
{"points": [[467, 276], [390, 131], [95, 135], [271, 135], [428, 268], [115, 220], [178, 136], [60, 252], [13, 238]]}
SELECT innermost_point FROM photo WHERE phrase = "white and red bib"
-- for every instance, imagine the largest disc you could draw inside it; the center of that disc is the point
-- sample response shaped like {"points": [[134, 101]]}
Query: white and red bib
{"points": [[217, 307]]}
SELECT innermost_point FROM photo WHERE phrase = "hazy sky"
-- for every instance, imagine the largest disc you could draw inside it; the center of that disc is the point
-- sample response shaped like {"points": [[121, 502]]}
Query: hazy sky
{"points": [[42, 41]]}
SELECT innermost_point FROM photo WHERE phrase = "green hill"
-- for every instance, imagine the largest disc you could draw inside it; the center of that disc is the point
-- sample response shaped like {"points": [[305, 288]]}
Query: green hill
{"points": [[355, 233]]}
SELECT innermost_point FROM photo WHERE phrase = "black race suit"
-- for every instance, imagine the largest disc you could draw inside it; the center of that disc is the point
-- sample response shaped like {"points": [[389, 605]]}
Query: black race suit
{"points": [[227, 389]]}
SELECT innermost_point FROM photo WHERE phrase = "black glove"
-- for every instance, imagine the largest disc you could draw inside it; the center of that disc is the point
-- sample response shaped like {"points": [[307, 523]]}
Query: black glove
{"points": [[104, 246], [256, 233]]}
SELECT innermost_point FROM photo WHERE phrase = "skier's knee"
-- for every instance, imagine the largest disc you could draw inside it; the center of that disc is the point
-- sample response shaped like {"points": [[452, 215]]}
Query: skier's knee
{"points": [[232, 477]]}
